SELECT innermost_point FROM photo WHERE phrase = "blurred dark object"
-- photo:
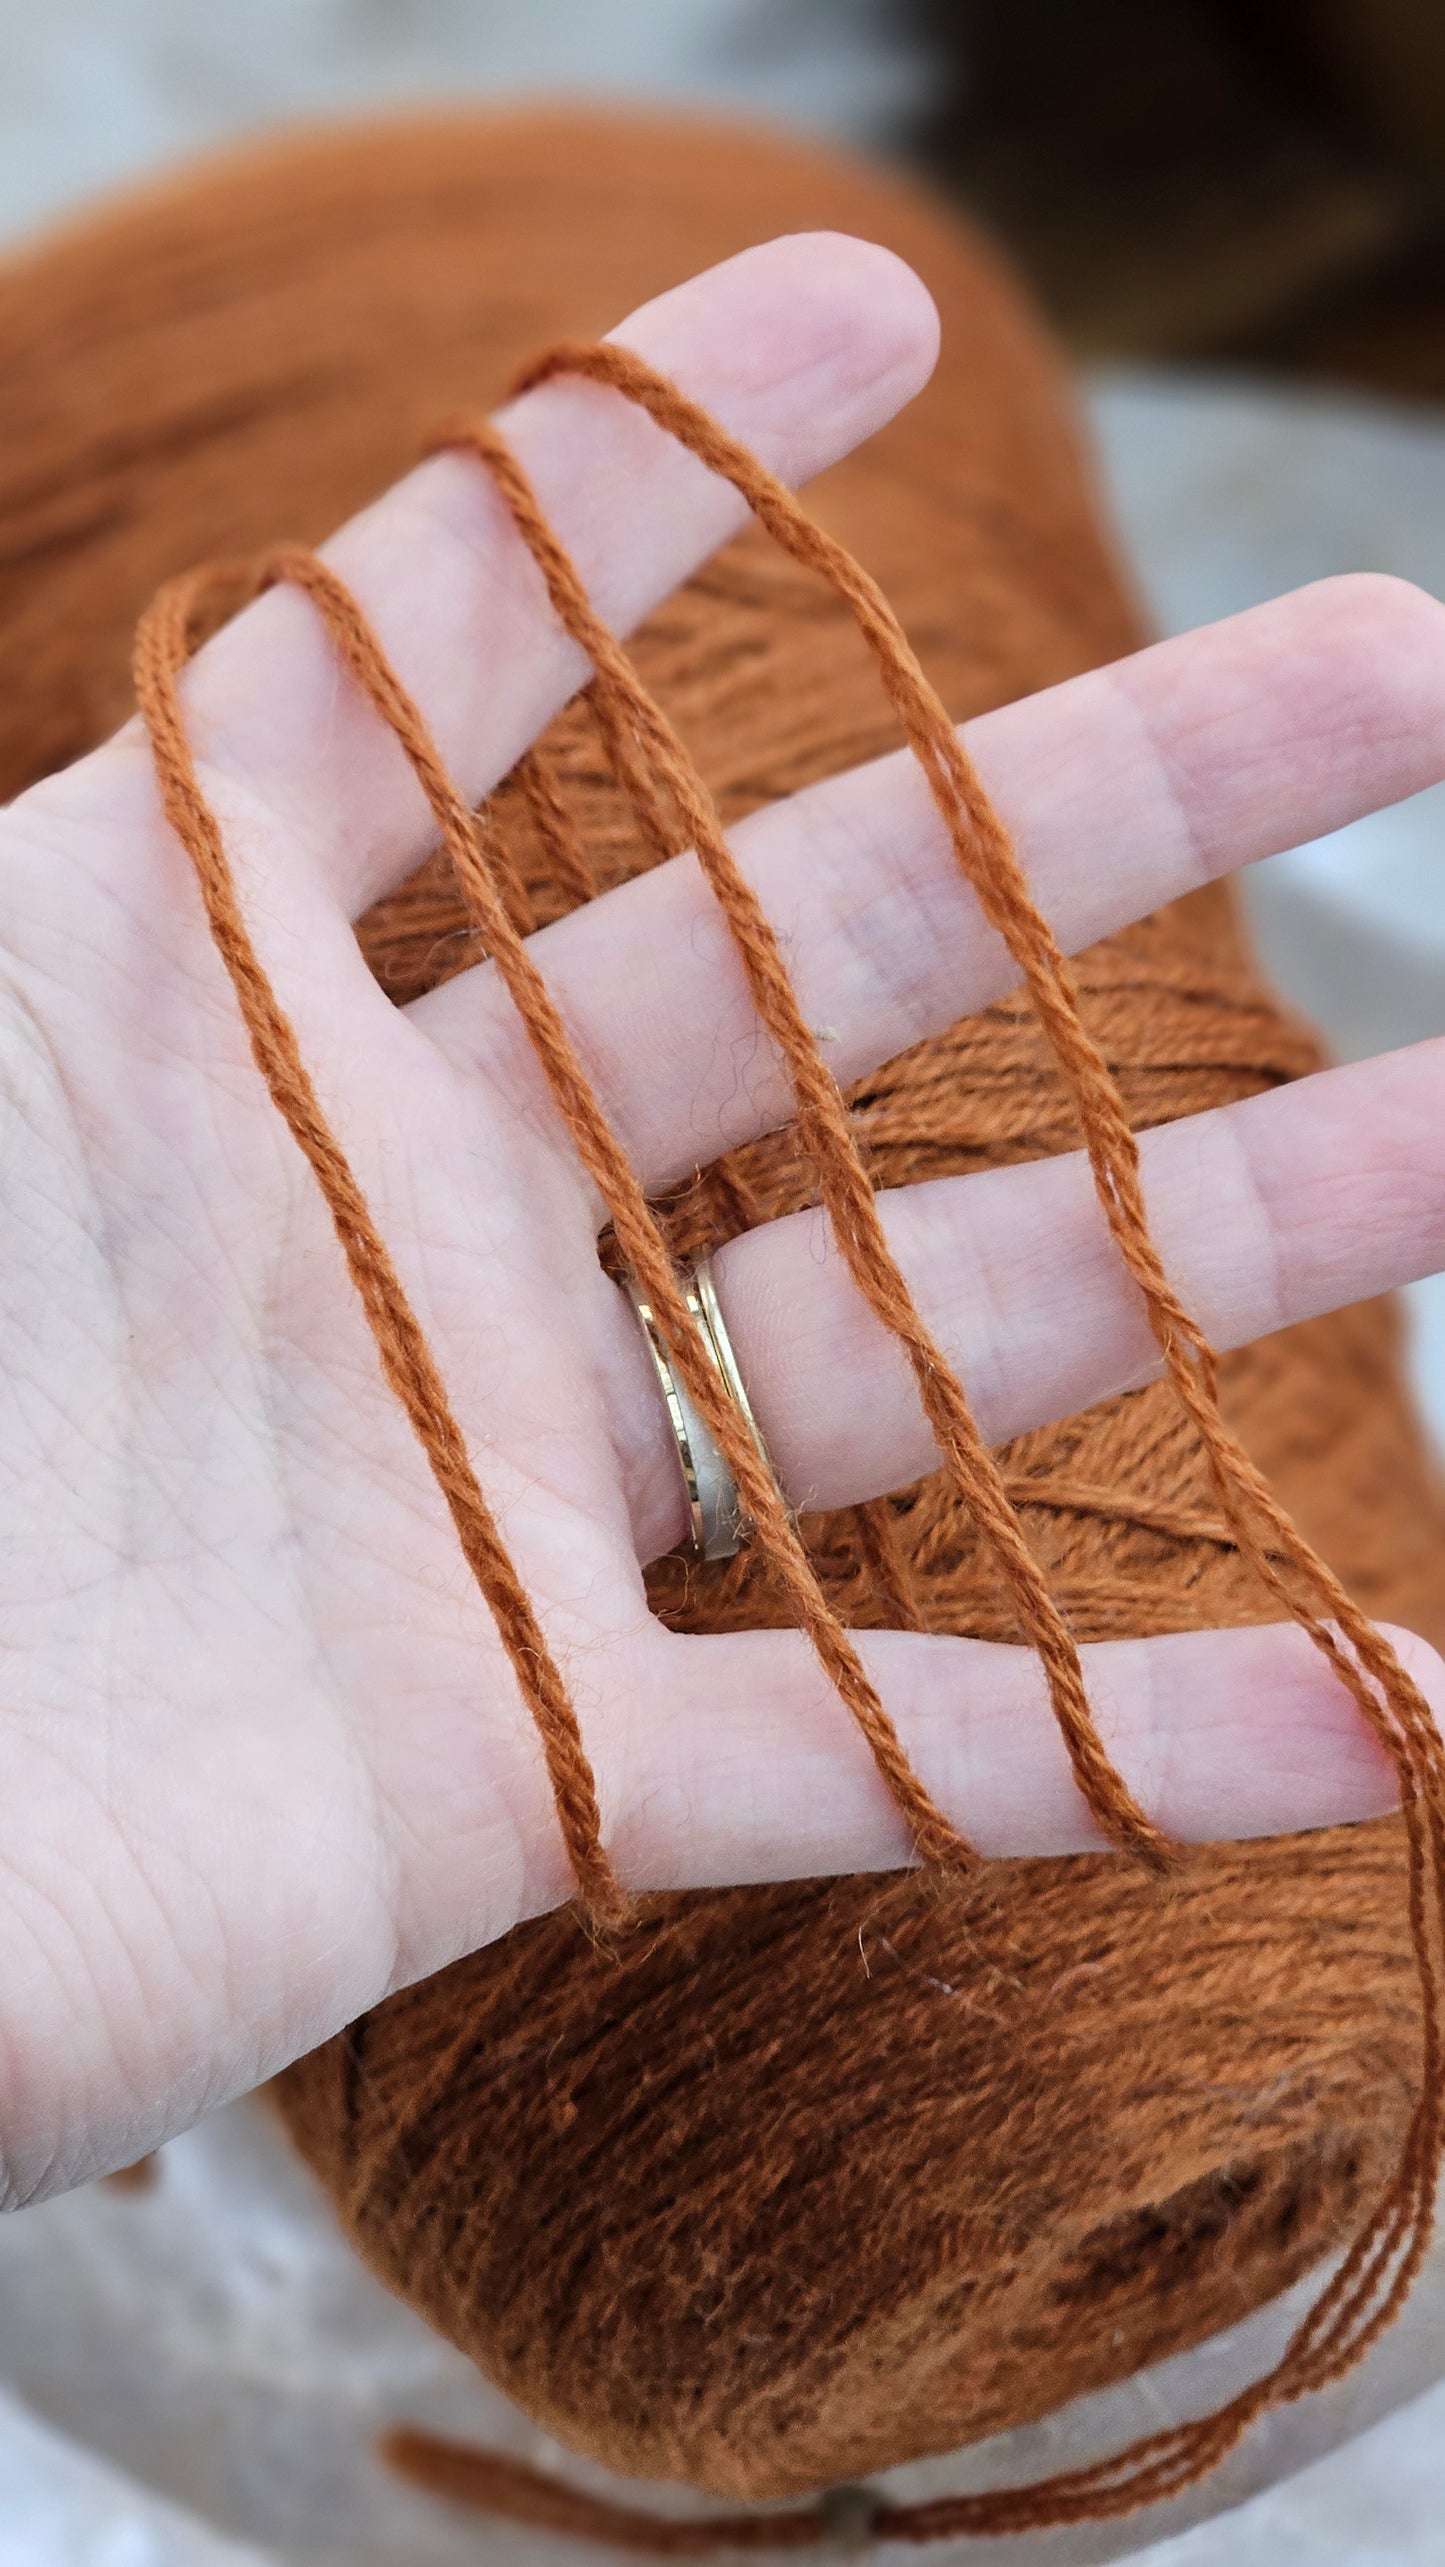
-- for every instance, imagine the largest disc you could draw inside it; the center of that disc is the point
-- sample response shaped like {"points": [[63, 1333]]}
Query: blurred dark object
{"points": [[1217, 178], [1379, 63]]}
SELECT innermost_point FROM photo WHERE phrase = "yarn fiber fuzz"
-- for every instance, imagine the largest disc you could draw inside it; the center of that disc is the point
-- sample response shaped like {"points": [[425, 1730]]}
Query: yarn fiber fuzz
{"points": [[786, 2184]]}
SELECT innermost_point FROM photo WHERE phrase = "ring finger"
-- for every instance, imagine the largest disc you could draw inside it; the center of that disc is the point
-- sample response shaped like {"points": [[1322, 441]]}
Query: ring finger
{"points": [[1266, 1212]]}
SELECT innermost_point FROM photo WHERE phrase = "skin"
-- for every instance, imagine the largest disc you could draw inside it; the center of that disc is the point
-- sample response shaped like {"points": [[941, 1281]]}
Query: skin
{"points": [[263, 1759]]}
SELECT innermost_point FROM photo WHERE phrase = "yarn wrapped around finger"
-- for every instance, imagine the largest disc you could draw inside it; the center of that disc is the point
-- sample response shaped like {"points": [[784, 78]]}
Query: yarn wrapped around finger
{"points": [[782, 2185]]}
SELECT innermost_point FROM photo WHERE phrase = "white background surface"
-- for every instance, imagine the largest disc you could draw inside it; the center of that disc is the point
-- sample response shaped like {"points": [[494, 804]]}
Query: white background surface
{"points": [[190, 2377]]}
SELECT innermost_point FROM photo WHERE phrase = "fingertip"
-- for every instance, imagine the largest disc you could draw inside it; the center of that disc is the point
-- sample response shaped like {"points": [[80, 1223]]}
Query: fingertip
{"points": [[1422, 1664], [1318, 1761], [884, 315], [1376, 606], [1374, 653], [802, 346]]}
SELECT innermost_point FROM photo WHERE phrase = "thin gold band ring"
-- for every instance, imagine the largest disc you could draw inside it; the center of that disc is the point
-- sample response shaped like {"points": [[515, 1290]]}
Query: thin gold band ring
{"points": [[716, 1521]]}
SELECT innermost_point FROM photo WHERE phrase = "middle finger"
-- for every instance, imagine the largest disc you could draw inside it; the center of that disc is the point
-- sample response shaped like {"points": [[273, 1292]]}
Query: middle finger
{"points": [[1122, 788]]}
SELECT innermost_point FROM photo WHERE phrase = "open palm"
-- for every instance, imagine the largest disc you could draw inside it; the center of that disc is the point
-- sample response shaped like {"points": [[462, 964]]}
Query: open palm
{"points": [[263, 1757]]}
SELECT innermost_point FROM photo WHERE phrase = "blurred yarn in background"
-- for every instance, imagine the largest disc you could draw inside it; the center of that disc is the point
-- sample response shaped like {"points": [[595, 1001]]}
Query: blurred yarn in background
{"points": [[96, 91]]}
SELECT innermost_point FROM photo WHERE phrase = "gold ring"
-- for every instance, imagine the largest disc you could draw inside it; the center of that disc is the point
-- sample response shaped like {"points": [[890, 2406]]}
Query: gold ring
{"points": [[716, 1520]]}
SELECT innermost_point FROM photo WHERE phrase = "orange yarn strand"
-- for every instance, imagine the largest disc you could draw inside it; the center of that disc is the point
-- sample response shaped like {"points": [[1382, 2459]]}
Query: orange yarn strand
{"points": [[163, 645], [826, 1133]]}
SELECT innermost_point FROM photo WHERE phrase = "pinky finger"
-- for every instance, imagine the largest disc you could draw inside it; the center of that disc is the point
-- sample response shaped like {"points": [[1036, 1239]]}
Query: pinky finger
{"points": [[742, 1767]]}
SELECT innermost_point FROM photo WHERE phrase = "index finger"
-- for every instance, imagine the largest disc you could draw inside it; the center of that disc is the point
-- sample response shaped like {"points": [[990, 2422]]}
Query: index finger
{"points": [[803, 347]]}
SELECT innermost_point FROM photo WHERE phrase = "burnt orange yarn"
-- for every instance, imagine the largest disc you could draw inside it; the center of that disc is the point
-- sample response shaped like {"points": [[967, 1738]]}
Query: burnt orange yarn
{"points": [[620, 2174]]}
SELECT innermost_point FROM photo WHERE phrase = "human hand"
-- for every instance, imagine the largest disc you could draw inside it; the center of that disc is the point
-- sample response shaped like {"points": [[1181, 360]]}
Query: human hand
{"points": [[264, 1758]]}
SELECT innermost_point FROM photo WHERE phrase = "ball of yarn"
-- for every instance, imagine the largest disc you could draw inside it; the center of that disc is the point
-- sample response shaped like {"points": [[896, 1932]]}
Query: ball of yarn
{"points": [[796, 2182]]}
